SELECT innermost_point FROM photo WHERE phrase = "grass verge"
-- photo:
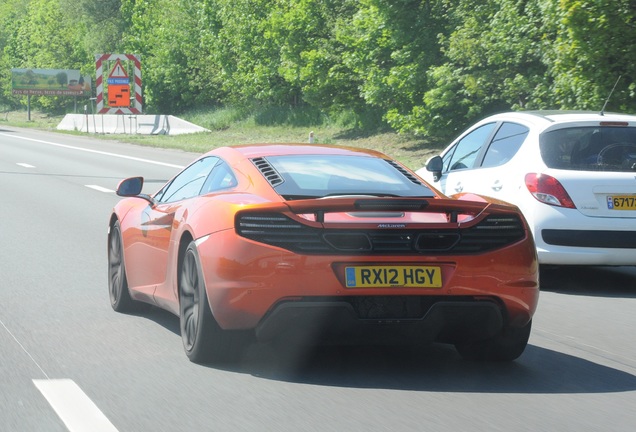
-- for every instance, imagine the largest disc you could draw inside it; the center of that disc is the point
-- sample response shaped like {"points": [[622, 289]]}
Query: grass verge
{"points": [[230, 127]]}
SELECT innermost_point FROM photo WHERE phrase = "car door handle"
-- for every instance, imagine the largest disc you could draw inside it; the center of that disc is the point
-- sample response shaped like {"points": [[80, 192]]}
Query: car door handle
{"points": [[459, 187], [496, 186]]}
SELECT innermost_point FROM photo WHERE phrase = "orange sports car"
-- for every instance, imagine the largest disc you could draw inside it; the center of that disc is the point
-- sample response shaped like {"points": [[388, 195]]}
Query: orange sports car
{"points": [[299, 242]]}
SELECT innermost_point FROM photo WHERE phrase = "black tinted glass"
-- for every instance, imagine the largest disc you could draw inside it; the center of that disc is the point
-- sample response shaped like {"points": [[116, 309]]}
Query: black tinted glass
{"points": [[331, 175], [590, 149]]}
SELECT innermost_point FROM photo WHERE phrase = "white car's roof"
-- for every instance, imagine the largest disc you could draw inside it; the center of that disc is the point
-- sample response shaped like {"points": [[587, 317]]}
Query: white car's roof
{"points": [[545, 119]]}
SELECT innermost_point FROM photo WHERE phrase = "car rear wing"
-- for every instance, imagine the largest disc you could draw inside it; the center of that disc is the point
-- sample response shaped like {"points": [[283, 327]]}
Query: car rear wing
{"points": [[381, 226], [448, 211]]}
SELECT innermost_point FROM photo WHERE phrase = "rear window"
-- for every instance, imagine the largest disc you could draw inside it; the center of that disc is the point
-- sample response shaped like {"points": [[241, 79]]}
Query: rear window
{"points": [[590, 149], [308, 176]]}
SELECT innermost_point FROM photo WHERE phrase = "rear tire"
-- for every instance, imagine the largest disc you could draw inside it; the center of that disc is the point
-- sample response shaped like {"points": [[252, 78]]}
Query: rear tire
{"points": [[506, 346], [203, 339], [120, 298]]}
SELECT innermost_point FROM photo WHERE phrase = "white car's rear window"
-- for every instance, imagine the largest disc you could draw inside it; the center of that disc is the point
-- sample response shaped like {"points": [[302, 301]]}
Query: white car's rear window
{"points": [[590, 149]]}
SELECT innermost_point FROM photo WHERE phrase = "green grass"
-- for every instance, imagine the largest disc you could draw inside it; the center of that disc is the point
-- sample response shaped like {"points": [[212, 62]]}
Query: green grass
{"points": [[233, 126]]}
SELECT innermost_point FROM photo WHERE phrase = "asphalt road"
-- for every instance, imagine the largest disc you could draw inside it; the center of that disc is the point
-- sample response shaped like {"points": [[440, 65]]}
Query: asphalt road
{"points": [[69, 363]]}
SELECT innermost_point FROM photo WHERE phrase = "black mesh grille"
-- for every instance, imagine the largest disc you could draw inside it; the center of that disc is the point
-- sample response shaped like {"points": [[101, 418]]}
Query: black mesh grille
{"points": [[492, 233], [279, 230]]}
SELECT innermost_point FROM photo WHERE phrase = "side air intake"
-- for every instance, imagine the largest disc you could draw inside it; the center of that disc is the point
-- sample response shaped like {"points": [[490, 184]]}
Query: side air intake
{"points": [[268, 171]]}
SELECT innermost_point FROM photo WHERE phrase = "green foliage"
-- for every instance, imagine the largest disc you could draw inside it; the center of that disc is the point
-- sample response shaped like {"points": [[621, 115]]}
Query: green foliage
{"points": [[493, 62], [424, 67], [594, 47], [103, 21], [247, 60], [392, 44], [217, 119], [310, 53], [11, 12], [45, 37], [167, 35]]}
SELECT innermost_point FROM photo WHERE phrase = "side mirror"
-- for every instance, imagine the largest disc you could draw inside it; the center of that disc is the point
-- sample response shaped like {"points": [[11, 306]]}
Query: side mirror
{"points": [[130, 187], [435, 165]]}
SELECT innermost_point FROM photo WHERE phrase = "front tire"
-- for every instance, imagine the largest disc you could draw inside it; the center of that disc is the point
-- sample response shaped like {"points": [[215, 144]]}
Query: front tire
{"points": [[203, 339], [506, 346]]}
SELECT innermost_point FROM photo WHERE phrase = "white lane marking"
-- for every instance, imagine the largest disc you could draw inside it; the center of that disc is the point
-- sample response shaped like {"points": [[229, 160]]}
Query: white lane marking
{"points": [[75, 409], [96, 151], [100, 189], [25, 165]]}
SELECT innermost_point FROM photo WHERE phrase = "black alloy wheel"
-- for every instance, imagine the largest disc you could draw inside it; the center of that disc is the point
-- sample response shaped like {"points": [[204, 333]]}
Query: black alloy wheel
{"points": [[120, 298], [203, 339]]}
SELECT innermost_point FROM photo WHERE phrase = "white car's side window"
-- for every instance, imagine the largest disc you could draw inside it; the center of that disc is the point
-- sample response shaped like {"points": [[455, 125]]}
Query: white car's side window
{"points": [[465, 152], [505, 144]]}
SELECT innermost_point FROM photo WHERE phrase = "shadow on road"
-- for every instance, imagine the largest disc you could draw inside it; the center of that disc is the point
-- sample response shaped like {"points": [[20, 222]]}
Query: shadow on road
{"points": [[590, 281], [432, 368], [437, 367]]}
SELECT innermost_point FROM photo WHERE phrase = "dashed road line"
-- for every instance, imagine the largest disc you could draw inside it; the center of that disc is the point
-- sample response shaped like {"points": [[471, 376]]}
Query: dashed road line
{"points": [[76, 410], [100, 189]]}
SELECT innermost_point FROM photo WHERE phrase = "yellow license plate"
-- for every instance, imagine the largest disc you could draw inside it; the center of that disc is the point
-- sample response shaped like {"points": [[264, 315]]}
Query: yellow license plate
{"points": [[393, 276], [621, 202]]}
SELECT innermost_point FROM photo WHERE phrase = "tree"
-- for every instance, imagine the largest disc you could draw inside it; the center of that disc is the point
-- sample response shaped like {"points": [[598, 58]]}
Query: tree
{"points": [[61, 78], [46, 38], [172, 37], [103, 18], [494, 61], [246, 58], [11, 14], [592, 50], [391, 46], [311, 55], [421, 66]]}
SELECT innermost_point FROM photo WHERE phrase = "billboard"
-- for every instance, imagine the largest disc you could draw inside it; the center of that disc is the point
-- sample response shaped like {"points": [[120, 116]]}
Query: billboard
{"points": [[50, 82]]}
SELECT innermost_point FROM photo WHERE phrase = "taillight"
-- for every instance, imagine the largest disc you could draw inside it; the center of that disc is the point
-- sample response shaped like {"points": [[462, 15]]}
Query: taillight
{"points": [[548, 190]]}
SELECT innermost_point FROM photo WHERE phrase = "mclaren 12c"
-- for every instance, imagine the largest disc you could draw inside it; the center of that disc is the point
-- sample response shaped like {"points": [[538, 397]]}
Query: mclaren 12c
{"points": [[322, 244]]}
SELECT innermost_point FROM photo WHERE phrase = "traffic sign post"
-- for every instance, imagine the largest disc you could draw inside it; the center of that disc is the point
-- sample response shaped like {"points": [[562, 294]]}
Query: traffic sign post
{"points": [[121, 97]]}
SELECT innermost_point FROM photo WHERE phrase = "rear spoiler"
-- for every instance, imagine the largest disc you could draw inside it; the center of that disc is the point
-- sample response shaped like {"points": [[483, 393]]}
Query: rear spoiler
{"points": [[455, 210]]}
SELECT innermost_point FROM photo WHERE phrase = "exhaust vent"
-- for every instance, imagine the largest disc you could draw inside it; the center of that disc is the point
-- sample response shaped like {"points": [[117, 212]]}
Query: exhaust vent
{"points": [[268, 171]]}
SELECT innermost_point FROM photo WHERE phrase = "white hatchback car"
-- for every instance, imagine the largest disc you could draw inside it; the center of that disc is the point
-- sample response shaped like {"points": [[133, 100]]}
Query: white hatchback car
{"points": [[572, 174]]}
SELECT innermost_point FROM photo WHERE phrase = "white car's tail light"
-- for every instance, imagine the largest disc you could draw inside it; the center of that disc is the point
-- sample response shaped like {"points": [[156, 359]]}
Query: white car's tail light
{"points": [[548, 190]]}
